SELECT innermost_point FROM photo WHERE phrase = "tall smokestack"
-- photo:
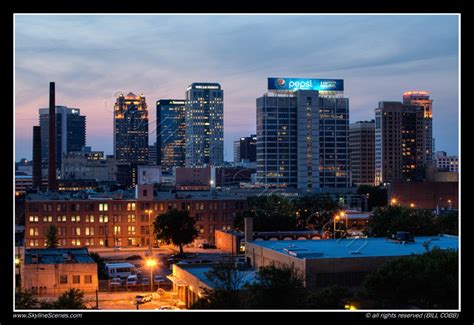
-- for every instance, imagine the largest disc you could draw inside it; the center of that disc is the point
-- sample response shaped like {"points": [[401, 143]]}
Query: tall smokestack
{"points": [[52, 139], [37, 175]]}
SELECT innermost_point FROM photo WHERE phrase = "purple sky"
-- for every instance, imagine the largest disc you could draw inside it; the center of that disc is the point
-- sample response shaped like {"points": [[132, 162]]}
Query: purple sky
{"points": [[93, 58]]}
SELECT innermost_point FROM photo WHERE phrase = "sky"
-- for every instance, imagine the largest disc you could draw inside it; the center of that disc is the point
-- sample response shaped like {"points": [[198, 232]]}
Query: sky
{"points": [[93, 58]]}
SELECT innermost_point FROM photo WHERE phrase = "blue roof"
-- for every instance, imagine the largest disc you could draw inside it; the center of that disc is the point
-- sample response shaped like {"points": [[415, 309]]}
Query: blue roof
{"points": [[353, 248], [58, 255], [200, 273]]}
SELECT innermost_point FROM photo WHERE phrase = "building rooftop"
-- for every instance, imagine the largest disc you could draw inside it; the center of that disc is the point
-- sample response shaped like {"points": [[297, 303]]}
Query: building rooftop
{"points": [[58, 256], [248, 276], [353, 248]]}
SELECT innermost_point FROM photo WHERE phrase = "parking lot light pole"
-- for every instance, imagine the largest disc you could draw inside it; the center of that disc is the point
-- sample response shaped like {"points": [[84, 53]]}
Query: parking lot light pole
{"points": [[150, 232], [151, 262]]}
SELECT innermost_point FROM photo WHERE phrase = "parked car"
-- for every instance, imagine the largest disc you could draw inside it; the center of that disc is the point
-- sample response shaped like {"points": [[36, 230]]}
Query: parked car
{"points": [[145, 281], [168, 308], [158, 279], [132, 279], [146, 297], [206, 246], [116, 282]]}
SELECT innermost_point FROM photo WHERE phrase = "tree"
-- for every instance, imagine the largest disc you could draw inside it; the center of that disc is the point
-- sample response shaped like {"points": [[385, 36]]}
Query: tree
{"points": [[269, 213], [448, 223], [100, 265], [428, 281], [227, 291], [52, 240], [376, 196], [25, 299], [175, 227], [388, 220], [71, 299], [276, 288], [334, 297], [315, 211]]}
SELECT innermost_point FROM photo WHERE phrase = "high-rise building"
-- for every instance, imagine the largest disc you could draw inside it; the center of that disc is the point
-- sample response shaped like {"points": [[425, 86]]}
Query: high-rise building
{"points": [[362, 152], [422, 99], [70, 131], [446, 163], [170, 133], [246, 149], [131, 129], [302, 135], [204, 135], [400, 147]]}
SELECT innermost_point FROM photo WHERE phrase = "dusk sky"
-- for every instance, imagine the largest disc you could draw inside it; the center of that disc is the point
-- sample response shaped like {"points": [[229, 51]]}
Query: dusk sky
{"points": [[94, 58]]}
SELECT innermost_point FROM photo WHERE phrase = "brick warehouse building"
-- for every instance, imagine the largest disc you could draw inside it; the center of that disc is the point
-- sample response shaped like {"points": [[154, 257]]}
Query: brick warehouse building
{"points": [[111, 220]]}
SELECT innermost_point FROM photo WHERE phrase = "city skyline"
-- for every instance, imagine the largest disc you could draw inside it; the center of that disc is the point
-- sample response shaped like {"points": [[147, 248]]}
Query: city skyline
{"points": [[90, 72]]}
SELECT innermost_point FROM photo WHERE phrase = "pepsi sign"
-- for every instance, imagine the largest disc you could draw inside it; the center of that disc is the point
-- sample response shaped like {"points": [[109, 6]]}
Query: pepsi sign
{"points": [[293, 84]]}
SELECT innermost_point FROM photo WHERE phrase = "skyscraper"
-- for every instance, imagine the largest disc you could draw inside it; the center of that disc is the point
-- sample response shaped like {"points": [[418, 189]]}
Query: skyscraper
{"points": [[131, 129], [302, 135], [204, 135], [400, 148], [362, 152], [245, 149], [170, 133], [422, 99], [70, 130]]}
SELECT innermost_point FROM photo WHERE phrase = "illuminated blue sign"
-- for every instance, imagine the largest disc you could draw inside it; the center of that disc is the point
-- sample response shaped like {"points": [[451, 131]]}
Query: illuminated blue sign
{"points": [[293, 84]]}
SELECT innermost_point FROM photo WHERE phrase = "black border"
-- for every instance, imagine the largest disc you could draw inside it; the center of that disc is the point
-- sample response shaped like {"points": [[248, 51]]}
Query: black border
{"points": [[107, 6]]}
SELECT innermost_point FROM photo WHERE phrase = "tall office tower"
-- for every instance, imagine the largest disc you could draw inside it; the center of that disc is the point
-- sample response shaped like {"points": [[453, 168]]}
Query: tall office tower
{"points": [[131, 129], [204, 135], [362, 152], [170, 133], [302, 135], [246, 149], [70, 132], [422, 99], [400, 148]]}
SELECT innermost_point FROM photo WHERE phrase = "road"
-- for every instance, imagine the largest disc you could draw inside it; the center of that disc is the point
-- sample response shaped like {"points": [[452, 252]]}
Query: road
{"points": [[126, 301]]}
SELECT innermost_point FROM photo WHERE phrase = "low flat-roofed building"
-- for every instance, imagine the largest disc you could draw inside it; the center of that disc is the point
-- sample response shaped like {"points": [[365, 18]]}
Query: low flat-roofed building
{"points": [[343, 262], [424, 195], [52, 271], [189, 280]]}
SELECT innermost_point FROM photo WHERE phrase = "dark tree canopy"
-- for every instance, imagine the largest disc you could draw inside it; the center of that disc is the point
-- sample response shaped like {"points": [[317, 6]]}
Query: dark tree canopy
{"points": [[427, 281], [176, 227], [377, 196]]}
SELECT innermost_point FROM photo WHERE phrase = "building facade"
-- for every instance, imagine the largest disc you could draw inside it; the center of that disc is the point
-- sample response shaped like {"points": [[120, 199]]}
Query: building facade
{"points": [[70, 130], [170, 133], [302, 139], [246, 149], [54, 271], [113, 220], [400, 148], [204, 124], [362, 152], [446, 163], [89, 165]]}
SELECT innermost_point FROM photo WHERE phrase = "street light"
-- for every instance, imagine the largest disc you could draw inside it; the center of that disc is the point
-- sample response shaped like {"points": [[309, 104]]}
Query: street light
{"points": [[412, 205], [336, 218], [344, 215], [393, 201], [17, 264], [150, 246], [151, 262]]}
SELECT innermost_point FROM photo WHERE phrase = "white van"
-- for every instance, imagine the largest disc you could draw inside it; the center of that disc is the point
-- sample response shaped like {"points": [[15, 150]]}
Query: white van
{"points": [[121, 270]]}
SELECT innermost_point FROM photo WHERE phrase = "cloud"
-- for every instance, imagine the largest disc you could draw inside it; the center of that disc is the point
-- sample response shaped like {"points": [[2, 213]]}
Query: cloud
{"points": [[91, 58]]}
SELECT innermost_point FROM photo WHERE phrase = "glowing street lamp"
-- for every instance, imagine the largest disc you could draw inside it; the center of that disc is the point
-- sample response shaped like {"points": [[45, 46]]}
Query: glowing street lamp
{"points": [[393, 201], [151, 263], [412, 205], [150, 248], [336, 218]]}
